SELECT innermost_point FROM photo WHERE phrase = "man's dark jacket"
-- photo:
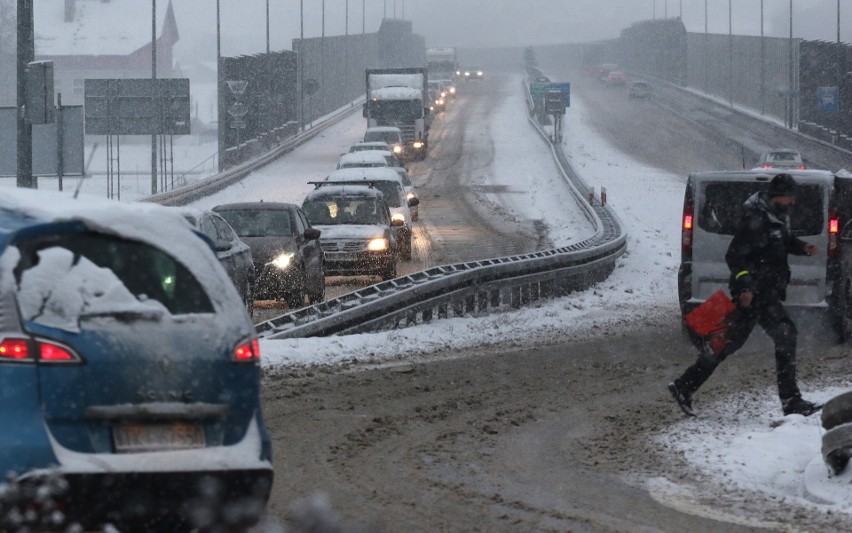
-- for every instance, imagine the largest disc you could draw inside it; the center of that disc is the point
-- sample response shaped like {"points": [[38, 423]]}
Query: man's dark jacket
{"points": [[757, 255]]}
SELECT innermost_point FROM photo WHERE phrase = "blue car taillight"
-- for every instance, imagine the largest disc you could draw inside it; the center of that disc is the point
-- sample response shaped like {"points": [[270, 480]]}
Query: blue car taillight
{"points": [[15, 349], [44, 351], [247, 352]]}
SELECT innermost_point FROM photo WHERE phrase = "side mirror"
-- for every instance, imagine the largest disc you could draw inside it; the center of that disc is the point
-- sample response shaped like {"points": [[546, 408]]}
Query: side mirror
{"points": [[396, 223], [413, 202], [222, 245], [312, 234]]}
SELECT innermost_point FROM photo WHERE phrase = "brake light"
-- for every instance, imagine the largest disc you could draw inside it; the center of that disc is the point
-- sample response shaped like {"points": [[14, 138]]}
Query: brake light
{"points": [[49, 352], [15, 349], [833, 233], [247, 352], [686, 231]]}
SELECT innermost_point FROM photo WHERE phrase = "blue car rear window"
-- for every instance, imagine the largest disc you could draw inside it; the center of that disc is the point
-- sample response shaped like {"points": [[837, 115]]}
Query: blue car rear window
{"points": [[147, 272]]}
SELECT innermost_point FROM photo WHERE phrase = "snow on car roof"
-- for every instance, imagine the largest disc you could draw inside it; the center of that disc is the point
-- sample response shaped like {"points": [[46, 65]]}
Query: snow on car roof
{"points": [[365, 156], [364, 173]]}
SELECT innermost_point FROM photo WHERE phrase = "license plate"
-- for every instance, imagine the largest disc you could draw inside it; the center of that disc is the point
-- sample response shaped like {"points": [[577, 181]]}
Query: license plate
{"points": [[129, 438], [341, 256]]}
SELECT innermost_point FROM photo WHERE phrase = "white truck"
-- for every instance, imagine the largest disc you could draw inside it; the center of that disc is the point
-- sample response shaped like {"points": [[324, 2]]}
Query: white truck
{"points": [[443, 65], [400, 97]]}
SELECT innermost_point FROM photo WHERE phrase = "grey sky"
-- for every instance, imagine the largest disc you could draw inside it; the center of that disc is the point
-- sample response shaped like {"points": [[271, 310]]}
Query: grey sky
{"points": [[482, 23]]}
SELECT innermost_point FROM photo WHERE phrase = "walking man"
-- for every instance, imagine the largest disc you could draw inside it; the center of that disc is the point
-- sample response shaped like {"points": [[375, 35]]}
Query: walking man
{"points": [[757, 258]]}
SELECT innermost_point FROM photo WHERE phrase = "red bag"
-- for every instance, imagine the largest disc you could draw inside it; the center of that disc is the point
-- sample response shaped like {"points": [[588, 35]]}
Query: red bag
{"points": [[710, 320]]}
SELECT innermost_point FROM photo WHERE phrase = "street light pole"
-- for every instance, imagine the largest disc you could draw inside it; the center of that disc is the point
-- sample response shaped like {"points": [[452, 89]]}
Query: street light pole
{"points": [[26, 54], [706, 44], [790, 66], [363, 17], [347, 17], [762, 64], [730, 54], [154, 76], [267, 26]]}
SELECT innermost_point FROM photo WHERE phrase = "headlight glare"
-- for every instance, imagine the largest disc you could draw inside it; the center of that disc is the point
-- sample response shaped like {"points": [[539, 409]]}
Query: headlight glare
{"points": [[397, 149], [398, 216], [409, 196], [378, 244], [282, 261], [418, 144]]}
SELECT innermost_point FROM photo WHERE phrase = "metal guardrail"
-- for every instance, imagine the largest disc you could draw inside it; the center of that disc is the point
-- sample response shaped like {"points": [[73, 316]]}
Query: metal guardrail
{"points": [[463, 288], [213, 184]]}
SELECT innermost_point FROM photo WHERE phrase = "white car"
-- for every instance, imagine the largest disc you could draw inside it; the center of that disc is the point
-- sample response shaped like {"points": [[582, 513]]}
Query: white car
{"points": [[389, 134], [378, 159], [387, 181], [781, 158]]}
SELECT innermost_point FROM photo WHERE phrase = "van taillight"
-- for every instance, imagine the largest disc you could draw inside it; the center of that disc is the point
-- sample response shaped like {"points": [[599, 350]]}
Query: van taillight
{"points": [[247, 352], [15, 350], [833, 234], [686, 234]]}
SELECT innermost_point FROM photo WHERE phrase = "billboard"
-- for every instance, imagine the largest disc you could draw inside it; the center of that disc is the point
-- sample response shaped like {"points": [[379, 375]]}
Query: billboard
{"points": [[45, 149], [137, 106]]}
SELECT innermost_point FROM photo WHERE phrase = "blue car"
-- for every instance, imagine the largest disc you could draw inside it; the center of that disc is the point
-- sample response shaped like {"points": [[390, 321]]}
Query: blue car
{"points": [[129, 373]]}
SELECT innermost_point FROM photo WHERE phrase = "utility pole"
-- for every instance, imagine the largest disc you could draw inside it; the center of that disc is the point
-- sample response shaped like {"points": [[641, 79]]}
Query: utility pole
{"points": [[267, 26], [762, 64], [790, 61], [730, 54], [154, 77], [347, 17], [26, 55]]}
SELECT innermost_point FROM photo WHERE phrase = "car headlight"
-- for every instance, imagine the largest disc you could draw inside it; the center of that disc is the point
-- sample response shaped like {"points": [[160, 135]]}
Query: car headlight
{"points": [[397, 149], [398, 216], [443, 94], [467, 73], [479, 73], [452, 90], [283, 260], [417, 144], [409, 196], [377, 245], [441, 102]]}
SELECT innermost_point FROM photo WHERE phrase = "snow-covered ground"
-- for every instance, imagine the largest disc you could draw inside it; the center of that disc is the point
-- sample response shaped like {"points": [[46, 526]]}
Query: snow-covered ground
{"points": [[742, 451]]}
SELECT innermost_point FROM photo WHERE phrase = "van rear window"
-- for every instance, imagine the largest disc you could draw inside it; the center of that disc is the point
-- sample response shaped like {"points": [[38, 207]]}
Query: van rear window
{"points": [[722, 206]]}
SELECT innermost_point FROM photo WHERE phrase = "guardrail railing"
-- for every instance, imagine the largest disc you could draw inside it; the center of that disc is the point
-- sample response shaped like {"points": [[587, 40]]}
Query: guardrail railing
{"points": [[463, 288]]}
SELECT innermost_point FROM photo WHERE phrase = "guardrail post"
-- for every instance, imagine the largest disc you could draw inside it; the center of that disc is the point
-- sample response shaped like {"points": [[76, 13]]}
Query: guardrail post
{"points": [[458, 308], [427, 315], [516, 297], [495, 298]]}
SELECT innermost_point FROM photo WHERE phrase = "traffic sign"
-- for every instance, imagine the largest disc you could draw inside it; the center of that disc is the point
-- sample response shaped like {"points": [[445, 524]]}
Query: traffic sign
{"points": [[828, 99]]}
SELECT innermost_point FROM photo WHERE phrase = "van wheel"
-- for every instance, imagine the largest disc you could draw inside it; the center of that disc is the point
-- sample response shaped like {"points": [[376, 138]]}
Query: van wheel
{"points": [[842, 313]]}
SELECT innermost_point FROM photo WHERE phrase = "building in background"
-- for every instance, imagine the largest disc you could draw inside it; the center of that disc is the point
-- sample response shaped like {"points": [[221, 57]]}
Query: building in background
{"points": [[101, 39]]}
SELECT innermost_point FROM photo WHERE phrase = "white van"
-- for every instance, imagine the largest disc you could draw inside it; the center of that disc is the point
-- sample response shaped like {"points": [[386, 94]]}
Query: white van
{"points": [[711, 210]]}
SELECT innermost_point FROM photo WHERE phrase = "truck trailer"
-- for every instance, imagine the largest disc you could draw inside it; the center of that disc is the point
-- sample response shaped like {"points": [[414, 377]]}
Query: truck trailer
{"points": [[400, 97]]}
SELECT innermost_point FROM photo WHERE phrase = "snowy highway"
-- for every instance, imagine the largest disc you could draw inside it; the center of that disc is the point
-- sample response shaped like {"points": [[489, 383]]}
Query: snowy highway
{"points": [[554, 417]]}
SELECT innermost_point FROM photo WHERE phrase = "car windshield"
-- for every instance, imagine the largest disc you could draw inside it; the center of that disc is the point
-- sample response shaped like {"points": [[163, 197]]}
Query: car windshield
{"points": [[783, 156], [260, 222], [391, 190], [723, 202], [390, 137], [344, 210], [65, 277]]}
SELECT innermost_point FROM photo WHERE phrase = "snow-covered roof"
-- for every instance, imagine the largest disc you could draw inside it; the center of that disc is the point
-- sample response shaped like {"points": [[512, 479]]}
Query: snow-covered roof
{"points": [[365, 156], [117, 27], [377, 81], [396, 93]]}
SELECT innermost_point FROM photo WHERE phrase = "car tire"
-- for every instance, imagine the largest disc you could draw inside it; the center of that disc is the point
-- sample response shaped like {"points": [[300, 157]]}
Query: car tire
{"points": [[841, 311], [318, 296], [837, 411], [389, 272]]}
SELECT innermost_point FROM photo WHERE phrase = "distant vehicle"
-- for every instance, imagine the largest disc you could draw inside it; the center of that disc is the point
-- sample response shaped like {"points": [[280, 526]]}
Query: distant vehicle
{"points": [[781, 158], [711, 210], [604, 69], [287, 255], [615, 78], [442, 63], [369, 145], [639, 89], [449, 86], [233, 253], [382, 158], [389, 182], [388, 134], [436, 102], [473, 73], [357, 235], [400, 97], [130, 370]]}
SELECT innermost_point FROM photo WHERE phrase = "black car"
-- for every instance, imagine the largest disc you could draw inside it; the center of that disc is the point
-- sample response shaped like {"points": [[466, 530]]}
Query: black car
{"points": [[234, 255], [288, 260], [358, 235]]}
